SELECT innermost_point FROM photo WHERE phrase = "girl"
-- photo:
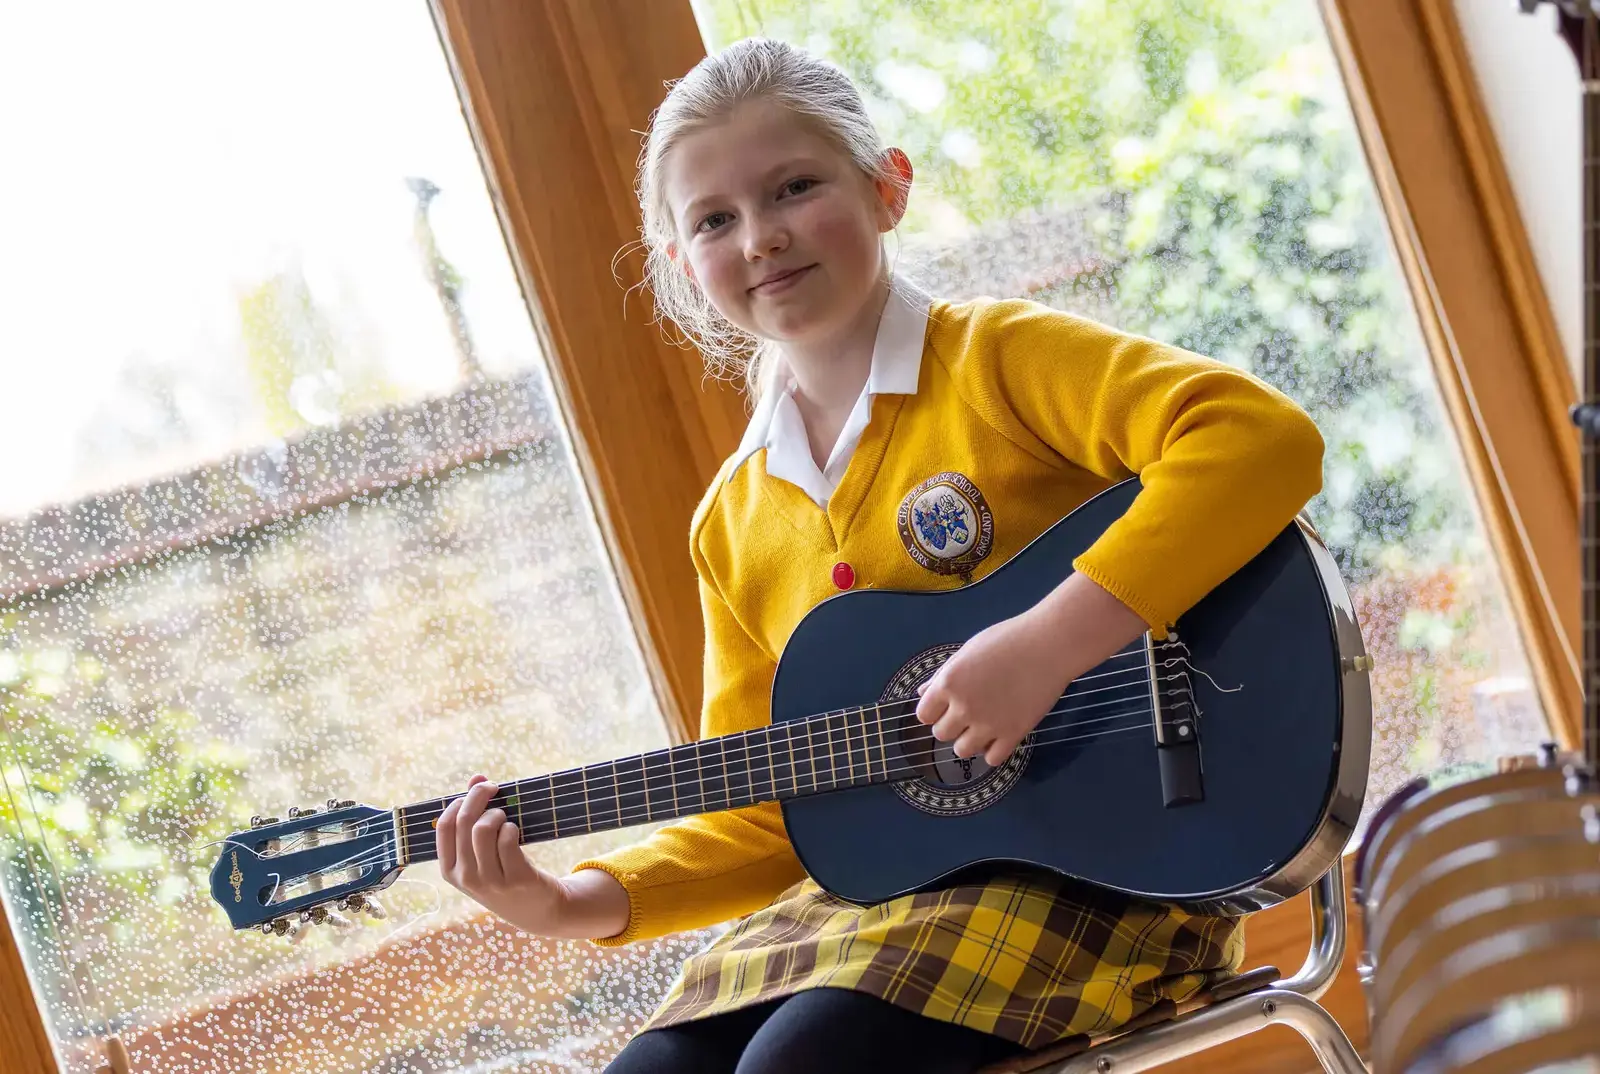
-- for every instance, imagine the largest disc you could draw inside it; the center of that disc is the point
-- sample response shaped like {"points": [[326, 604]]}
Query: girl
{"points": [[765, 193]]}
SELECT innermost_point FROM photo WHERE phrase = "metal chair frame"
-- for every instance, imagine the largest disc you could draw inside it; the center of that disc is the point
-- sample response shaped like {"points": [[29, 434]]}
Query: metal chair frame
{"points": [[1291, 1002]]}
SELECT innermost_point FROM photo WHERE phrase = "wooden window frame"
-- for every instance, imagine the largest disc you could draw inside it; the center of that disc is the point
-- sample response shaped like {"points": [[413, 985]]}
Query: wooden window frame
{"points": [[572, 81]]}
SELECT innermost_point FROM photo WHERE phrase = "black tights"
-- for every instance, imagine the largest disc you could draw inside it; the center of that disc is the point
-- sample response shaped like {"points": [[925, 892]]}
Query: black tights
{"points": [[819, 1031]]}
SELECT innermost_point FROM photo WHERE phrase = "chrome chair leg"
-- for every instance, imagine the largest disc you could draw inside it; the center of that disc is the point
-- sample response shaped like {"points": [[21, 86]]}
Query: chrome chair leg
{"points": [[1217, 1024], [1291, 1001]]}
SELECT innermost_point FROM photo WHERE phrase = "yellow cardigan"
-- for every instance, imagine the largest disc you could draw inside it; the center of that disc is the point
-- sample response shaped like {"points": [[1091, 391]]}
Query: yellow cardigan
{"points": [[1024, 412]]}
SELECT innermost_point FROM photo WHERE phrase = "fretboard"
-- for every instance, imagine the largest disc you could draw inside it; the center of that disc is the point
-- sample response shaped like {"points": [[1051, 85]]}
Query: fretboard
{"points": [[827, 752]]}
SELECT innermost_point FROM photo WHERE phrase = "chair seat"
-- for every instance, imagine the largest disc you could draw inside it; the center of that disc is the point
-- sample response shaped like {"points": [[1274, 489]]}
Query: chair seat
{"points": [[1229, 987]]}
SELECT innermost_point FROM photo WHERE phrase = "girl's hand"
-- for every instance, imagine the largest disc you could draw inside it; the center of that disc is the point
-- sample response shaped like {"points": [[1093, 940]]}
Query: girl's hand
{"points": [[1007, 677], [480, 853]]}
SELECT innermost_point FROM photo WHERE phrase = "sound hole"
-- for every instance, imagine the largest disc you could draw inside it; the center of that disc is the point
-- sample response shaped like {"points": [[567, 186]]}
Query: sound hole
{"points": [[957, 785], [948, 770]]}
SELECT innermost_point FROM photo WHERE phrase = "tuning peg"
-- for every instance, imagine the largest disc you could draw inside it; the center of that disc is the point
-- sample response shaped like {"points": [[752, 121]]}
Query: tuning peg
{"points": [[259, 821], [282, 926], [335, 803], [321, 915], [365, 904], [296, 811]]}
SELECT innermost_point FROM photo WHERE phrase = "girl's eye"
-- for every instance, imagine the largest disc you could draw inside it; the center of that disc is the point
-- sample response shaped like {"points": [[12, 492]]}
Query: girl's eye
{"points": [[712, 222], [798, 186]]}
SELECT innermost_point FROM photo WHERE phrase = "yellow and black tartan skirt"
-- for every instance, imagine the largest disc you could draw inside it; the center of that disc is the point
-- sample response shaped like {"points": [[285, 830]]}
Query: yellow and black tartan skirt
{"points": [[1024, 958]]}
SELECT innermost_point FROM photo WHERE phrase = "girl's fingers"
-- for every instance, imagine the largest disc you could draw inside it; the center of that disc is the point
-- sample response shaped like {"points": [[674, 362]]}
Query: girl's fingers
{"points": [[998, 751], [971, 743], [444, 838], [472, 805], [931, 705], [950, 725], [485, 836], [513, 864]]}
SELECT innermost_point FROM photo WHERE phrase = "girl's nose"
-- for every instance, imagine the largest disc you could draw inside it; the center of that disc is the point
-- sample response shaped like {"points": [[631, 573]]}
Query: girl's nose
{"points": [[764, 238]]}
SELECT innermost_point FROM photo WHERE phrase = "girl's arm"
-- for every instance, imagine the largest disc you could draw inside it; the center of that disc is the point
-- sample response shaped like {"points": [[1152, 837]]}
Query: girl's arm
{"points": [[1225, 462], [715, 866]]}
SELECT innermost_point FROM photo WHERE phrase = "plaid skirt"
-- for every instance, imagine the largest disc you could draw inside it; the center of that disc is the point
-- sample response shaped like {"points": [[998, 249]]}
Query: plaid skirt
{"points": [[1029, 959]]}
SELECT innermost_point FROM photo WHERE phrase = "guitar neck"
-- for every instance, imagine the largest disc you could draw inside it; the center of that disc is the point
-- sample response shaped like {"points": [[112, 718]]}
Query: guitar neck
{"points": [[827, 752]]}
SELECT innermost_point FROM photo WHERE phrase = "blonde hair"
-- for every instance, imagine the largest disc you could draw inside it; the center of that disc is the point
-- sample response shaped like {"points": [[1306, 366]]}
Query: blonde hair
{"points": [[752, 69]]}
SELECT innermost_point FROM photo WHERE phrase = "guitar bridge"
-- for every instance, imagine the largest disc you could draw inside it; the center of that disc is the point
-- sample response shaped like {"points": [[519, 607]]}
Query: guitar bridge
{"points": [[1177, 722]]}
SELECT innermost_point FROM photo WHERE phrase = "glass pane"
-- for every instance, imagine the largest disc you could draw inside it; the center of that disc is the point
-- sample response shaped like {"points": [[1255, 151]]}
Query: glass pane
{"points": [[314, 531], [227, 227], [1191, 171]]}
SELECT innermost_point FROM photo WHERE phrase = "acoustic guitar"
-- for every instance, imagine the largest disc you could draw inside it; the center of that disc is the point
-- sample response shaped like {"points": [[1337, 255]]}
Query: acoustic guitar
{"points": [[1220, 769]]}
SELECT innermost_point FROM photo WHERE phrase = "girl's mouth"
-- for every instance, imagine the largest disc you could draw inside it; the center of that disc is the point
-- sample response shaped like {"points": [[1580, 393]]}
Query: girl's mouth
{"points": [[774, 284]]}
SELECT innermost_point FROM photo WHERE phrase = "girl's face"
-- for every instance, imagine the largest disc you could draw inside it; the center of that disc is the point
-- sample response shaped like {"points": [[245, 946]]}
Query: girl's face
{"points": [[777, 225]]}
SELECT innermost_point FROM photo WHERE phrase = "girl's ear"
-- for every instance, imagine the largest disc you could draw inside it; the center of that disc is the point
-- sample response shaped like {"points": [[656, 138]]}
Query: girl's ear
{"points": [[894, 192]]}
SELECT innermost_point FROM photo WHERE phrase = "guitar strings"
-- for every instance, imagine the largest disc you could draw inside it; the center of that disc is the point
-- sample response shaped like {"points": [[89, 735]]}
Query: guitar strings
{"points": [[745, 752], [738, 749], [373, 855], [1034, 739], [830, 737], [921, 758]]}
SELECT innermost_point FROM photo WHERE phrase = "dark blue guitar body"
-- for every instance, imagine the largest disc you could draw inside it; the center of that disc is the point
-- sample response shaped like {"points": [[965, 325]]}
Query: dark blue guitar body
{"points": [[1284, 756]]}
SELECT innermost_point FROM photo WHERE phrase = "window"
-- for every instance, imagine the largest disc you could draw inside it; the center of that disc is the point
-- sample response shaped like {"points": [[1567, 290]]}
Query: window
{"points": [[1191, 172], [298, 521]]}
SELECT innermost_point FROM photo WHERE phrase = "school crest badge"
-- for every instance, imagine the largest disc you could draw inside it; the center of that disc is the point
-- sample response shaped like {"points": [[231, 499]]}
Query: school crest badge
{"points": [[945, 524]]}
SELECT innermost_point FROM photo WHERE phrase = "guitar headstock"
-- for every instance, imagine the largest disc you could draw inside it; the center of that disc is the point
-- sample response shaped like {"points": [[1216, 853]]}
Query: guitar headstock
{"points": [[282, 874], [1576, 20]]}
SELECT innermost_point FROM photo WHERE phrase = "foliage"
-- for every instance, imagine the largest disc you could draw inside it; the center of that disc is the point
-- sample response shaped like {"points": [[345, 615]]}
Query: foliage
{"points": [[1249, 233], [1010, 104], [109, 797]]}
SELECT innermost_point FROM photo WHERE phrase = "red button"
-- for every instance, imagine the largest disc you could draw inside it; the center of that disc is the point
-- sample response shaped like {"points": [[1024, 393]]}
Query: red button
{"points": [[844, 575]]}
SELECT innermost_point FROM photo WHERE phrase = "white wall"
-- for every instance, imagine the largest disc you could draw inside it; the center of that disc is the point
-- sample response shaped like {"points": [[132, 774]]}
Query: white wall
{"points": [[1529, 85]]}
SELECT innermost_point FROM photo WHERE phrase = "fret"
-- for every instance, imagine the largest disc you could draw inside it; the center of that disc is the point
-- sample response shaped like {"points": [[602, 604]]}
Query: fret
{"points": [[772, 767], [811, 750], [845, 774], [825, 737], [571, 798], [583, 778], [737, 779], [658, 786], [862, 772], [631, 791], [714, 796], [871, 746], [603, 796], [843, 737], [785, 773], [533, 816], [762, 786], [883, 743], [555, 821], [689, 793]]}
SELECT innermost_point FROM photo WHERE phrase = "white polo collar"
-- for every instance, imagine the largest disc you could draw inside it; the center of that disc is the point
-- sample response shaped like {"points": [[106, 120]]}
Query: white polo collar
{"points": [[896, 367]]}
